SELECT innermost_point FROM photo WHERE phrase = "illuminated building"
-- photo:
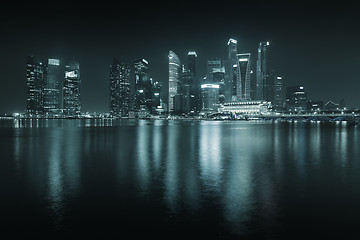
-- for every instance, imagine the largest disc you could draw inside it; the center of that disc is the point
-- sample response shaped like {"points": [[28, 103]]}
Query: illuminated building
{"points": [[278, 101], [232, 81], [244, 107], [296, 99], [119, 88], [261, 72], [210, 97], [245, 71], [71, 89], [52, 87], [34, 85], [174, 78], [193, 96], [143, 86]]}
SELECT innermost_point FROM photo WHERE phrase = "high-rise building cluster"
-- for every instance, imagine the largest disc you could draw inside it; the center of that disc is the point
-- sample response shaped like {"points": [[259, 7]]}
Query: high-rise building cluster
{"points": [[229, 85], [53, 89]]}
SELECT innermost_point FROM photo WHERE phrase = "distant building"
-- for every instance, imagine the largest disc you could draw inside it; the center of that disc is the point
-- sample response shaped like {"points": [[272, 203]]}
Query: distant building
{"points": [[143, 86], [34, 86], [261, 72], [252, 107], [210, 97], [278, 100], [119, 88], [174, 78], [232, 81], [244, 66], [331, 106], [296, 99], [53, 81], [315, 106], [71, 89]]}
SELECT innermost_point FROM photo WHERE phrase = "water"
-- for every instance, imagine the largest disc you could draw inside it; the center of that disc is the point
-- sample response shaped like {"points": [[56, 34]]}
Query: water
{"points": [[244, 180]]}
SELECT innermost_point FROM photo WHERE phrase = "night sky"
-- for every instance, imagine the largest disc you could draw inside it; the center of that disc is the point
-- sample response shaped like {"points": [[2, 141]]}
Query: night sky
{"points": [[315, 44]]}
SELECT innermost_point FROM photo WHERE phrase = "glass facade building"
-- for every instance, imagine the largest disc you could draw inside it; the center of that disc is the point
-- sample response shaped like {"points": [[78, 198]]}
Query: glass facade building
{"points": [[245, 75], [71, 89], [34, 86], [119, 88], [174, 78], [232, 82], [143, 86], [52, 87], [261, 72]]}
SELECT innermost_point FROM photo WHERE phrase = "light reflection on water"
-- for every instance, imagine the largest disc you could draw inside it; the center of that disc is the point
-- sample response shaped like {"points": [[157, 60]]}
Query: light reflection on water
{"points": [[237, 178]]}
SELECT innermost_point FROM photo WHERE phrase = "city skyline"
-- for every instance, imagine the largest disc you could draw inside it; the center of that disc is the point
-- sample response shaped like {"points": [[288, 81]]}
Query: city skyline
{"points": [[310, 45]]}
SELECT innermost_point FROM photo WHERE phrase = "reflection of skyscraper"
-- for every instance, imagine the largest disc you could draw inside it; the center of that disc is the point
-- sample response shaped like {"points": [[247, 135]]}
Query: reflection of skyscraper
{"points": [[71, 89], [174, 78], [245, 71], [261, 73], [52, 86], [34, 85], [119, 88]]}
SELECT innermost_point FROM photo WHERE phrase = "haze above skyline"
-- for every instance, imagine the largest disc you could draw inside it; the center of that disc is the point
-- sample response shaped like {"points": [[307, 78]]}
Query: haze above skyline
{"points": [[313, 44]]}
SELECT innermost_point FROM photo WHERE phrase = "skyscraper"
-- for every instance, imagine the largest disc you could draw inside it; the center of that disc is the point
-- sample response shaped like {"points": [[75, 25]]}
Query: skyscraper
{"points": [[296, 99], [119, 88], [71, 89], [174, 78], [52, 86], [279, 94], [232, 82], [143, 85], [245, 71], [261, 72], [34, 86]]}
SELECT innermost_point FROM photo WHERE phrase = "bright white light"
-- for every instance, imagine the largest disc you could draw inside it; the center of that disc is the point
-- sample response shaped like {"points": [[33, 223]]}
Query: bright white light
{"points": [[267, 43], [145, 61], [232, 41], [55, 62], [210, 86], [235, 65], [192, 53], [279, 78], [141, 91], [243, 60], [156, 94], [301, 88], [70, 74]]}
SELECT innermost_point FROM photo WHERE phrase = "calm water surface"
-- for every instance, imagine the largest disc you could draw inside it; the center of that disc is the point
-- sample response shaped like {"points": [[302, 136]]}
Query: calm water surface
{"points": [[244, 180]]}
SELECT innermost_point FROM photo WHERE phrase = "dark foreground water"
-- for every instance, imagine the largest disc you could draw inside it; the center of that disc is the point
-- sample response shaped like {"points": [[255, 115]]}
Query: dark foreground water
{"points": [[168, 179]]}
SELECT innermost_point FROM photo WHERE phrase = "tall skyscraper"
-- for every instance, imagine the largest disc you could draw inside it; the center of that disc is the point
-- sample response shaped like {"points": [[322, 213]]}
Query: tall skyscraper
{"points": [[245, 75], [174, 78], [34, 86], [195, 92], [261, 72], [143, 86], [52, 87], [232, 82], [279, 94], [71, 89], [119, 88]]}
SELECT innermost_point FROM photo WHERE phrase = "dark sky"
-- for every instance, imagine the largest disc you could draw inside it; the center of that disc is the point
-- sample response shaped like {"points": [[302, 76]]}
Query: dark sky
{"points": [[316, 44]]}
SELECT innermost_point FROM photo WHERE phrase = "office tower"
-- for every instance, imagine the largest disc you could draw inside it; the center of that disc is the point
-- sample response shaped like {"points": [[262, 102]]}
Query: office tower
{"points": [[261, 72], [34, 86], [232, 81], [216, 74], [296, 99], [143, 86], [52, 87], [245, 71], [210, 97], [71, 89], [195, 93], [156, 101], [213, 64], [174, 78], [119, 88], [278, 101]]}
